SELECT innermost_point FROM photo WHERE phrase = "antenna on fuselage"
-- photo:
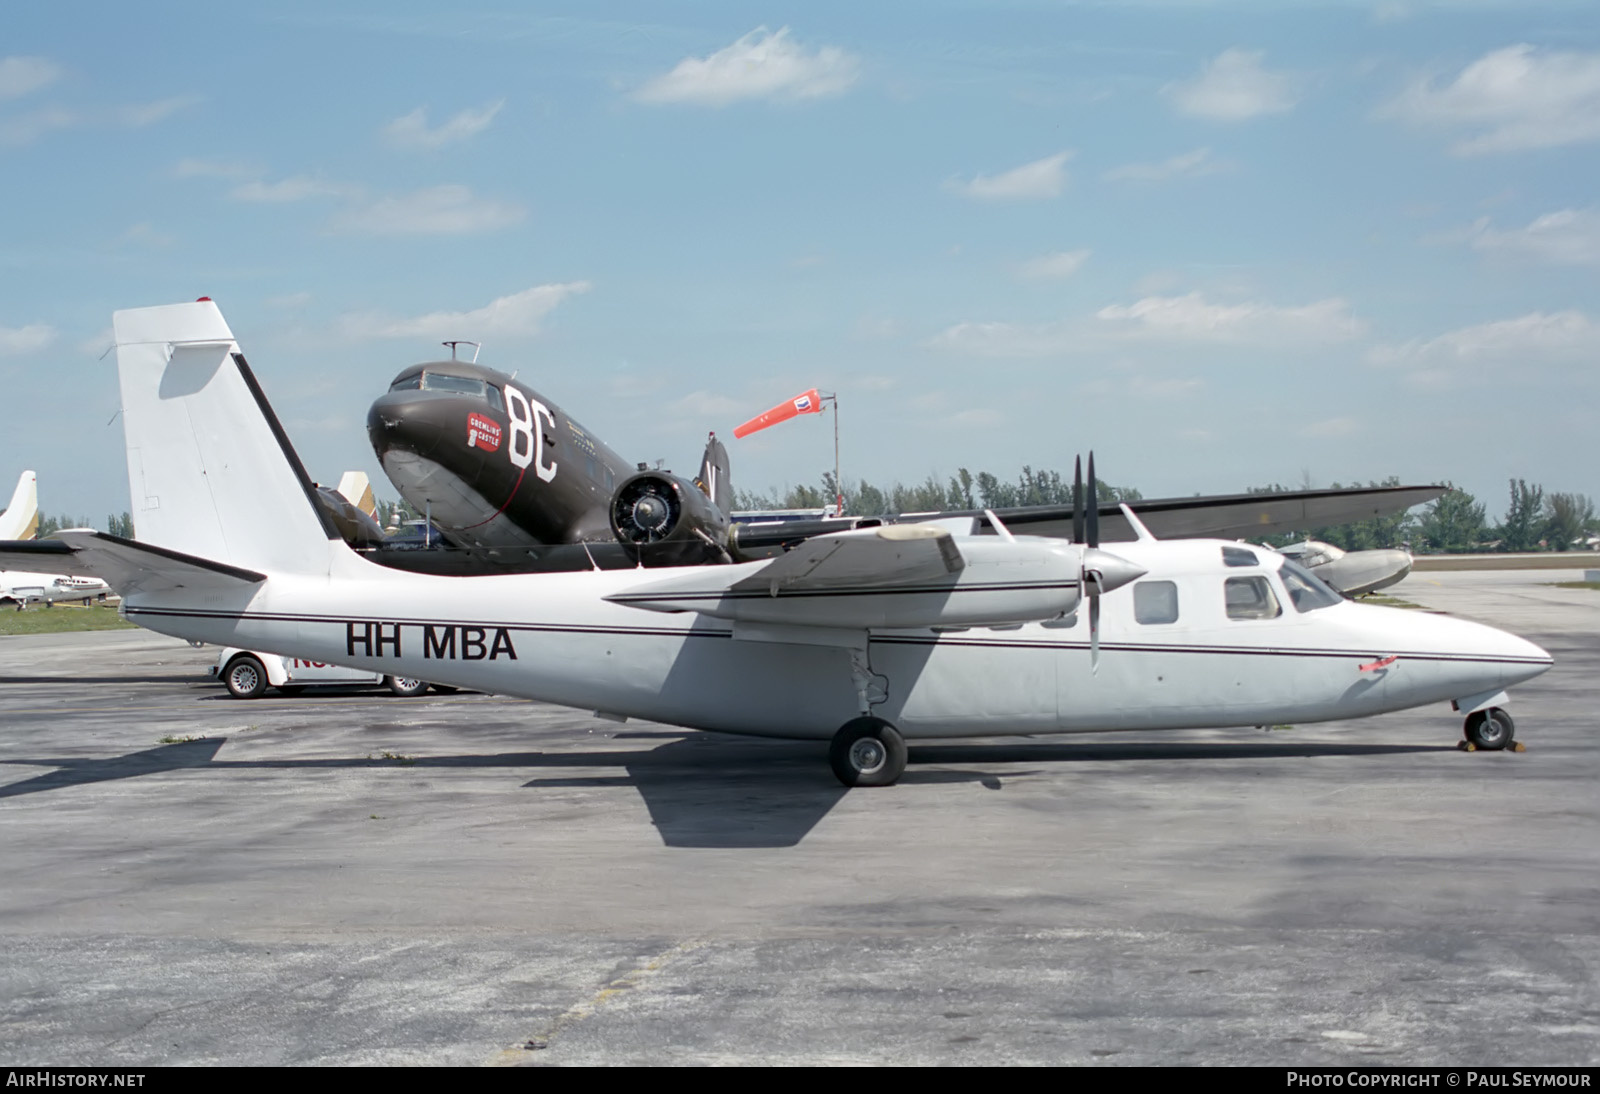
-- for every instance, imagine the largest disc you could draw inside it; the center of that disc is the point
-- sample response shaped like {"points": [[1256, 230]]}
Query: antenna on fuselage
{"points": [[476, 346]]}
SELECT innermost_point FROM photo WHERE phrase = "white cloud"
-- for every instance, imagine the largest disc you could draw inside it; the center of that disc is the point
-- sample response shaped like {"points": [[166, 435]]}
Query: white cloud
{"points": [[1234, 87], [438, 210], [1515, 98], [140, 115], [1568, 237], [14, 340], [1189, 164], [411, 130], [1189, 318], [976, 418], [518, 314], [27, 128], [21, 76], [709, 404], [761, 65], [1192, 318], [1057, 264], [1333, 427], [1535, 337], [293, 188], [1039, 179], [212, 169]]}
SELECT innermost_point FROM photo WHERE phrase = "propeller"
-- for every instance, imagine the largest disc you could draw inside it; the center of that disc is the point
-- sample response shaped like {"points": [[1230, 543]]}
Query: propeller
{"points": [[1101, 571]]}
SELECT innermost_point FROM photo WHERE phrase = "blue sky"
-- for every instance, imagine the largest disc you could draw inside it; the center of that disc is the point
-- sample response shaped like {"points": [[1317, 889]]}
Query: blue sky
{"points": [[1221, 244]]}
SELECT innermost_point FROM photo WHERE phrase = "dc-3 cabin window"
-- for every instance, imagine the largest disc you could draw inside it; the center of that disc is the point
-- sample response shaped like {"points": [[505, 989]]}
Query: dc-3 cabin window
{"points": [[1307, 592], [1155, 602], [1251, 598]]}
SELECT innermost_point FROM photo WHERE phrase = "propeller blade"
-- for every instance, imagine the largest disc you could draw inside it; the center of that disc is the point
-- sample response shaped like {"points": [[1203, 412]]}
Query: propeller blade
{"points": [[1077, 500], [1093, 513], [1094, 628]]}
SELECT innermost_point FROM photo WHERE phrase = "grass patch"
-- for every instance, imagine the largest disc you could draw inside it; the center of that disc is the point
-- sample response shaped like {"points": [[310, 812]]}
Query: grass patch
{"points": [[62, 618], [179, 739], [394, 757], [1576, 584]]}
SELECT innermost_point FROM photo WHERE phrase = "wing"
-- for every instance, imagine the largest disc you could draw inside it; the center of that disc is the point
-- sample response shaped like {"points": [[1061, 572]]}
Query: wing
{"points": [[1229, 516], [127, 566], [894, 576]]}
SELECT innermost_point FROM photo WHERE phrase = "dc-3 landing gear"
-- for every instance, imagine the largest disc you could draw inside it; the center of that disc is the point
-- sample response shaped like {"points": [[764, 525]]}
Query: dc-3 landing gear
{"points": [[867, 751], [1490, 731]]}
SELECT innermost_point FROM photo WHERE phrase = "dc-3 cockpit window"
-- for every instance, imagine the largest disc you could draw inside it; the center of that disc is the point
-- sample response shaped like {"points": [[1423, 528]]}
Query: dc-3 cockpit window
{"points": [[1306, 591], [456, 385], [1155, 602], [1251, 598], [407, 383]]}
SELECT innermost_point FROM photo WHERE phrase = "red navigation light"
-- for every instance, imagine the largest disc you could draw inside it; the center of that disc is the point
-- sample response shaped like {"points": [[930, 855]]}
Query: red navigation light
{"points": [[203, 300]]}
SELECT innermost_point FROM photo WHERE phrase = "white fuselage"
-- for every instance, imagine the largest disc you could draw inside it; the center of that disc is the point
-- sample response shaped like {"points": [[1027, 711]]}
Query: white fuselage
{"points": [[554, 637]]}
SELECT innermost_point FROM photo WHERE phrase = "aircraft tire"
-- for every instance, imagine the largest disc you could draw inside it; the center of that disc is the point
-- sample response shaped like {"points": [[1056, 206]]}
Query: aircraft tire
{"points": [[867, 751], [246, 677], [405, 686], [1490, 730]]}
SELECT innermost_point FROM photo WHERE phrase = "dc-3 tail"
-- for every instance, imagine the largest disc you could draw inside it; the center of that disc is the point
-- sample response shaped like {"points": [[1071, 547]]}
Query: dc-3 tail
{"points": [[211, 472]]}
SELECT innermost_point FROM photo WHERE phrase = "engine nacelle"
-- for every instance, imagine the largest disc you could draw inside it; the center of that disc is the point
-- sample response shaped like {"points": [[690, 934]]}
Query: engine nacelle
{"points": [[664, 520]]}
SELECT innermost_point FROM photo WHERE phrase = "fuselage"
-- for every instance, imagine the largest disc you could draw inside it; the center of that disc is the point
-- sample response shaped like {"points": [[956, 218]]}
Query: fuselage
{"points": [[494, 463], [1197, 643]]}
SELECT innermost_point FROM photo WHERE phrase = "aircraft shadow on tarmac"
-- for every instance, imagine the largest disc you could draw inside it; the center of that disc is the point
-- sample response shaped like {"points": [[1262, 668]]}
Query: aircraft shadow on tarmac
{"points": [[705, 791]]}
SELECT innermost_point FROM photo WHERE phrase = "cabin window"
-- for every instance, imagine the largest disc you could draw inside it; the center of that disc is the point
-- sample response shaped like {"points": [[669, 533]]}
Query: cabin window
{"points": [[1251, 598], [1155, 602], [1238, 556], [1307, 592], [407, 383]]}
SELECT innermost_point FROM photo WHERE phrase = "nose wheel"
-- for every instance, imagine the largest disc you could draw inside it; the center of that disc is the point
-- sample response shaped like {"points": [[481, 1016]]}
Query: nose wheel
{"points": [[1490, 730], [867, 751]]}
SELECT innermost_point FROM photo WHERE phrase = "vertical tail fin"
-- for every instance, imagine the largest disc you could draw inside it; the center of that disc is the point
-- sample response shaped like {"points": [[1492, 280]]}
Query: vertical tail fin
{"points": [[21, 518], [210, 469], [357, 490], [714, 478]]}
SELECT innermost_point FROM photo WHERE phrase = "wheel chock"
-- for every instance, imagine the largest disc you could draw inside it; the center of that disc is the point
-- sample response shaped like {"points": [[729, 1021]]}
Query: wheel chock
{"points": [[1518, 746], [1466, 746]]}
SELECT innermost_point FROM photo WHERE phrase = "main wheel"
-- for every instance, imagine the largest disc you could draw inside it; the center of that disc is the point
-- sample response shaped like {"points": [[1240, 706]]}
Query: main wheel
{"points": [[1490, 730], [405, 686], [246, 677], [867, 751]]}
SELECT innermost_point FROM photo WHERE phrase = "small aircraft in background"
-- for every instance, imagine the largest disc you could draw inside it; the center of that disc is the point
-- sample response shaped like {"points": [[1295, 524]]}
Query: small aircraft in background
{"points": [[1352, 573], [19, 588], [20, 519], [864, 638], [515, 484]]}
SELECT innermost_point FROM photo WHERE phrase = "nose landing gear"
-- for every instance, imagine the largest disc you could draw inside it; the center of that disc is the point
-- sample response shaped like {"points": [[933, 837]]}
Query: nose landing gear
{"points": [[1490, 730]]}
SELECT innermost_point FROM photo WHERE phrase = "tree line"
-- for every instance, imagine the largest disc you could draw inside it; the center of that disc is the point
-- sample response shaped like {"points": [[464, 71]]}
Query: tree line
{"points": [[1455, 522]]}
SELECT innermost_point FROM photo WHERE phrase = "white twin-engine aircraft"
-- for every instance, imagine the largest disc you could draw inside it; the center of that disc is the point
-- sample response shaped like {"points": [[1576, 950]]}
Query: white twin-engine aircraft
{"points": [[866, 638]]}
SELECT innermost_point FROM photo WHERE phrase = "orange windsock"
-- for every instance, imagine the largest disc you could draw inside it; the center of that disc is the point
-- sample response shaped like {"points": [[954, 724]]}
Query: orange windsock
{"points": [[809, 402]]}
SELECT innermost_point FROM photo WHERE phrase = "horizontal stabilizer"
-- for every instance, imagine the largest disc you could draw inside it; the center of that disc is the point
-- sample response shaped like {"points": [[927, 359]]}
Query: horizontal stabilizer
{"points": [[127, 566]]}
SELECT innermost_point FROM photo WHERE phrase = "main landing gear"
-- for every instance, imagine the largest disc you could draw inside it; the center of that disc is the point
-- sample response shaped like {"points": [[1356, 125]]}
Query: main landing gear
{"points": [[1490, 731], [867, 751]]}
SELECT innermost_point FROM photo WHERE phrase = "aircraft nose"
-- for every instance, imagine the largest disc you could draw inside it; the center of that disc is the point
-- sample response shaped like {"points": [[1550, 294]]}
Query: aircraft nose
{"points": [[395, 420]]}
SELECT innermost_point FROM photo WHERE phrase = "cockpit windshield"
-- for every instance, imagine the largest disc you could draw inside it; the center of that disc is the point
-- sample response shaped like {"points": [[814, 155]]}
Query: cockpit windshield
{"points": [[1307, 591], [455, 385]]}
